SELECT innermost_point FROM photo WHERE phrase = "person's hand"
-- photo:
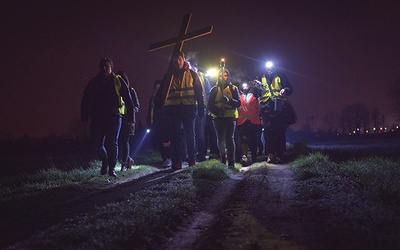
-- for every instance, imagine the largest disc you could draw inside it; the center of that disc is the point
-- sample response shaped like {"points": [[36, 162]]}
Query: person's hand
{"points": [[283, 92], [256, 83]]}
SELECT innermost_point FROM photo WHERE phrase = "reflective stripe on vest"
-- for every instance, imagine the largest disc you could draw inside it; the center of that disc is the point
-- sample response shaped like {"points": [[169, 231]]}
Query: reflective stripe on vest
{"points": [[117, 86], [228, 111], [248, 110], [182, 91], [270, 91]]}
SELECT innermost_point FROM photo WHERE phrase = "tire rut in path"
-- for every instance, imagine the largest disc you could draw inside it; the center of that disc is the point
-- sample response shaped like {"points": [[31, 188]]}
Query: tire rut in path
{"points": [[260, 213], [188, 234]]}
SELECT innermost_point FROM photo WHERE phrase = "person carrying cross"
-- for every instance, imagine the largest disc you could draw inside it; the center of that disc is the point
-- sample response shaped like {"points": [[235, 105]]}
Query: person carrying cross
{"points": [[184, 101]]}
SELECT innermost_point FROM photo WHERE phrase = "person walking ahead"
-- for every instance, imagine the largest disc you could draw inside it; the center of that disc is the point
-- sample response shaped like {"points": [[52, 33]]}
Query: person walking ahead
{"points": [[275, 88], [103, 103], [223, 103], [127, 128], [249, 123], [184, 101]]}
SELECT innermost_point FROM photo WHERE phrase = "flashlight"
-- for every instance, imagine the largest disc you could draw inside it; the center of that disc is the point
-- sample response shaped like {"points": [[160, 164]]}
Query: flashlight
{"points": [[222, 63], [269, 64]]}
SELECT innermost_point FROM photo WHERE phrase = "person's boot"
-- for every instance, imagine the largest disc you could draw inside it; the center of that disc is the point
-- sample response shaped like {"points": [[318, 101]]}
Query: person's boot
{"points": [[123, 167], [129, 163], [104, 166], [231, 164], [111, 171], [192, 163], [223, 159], [270, 158], [176, 165], [167, 163]]}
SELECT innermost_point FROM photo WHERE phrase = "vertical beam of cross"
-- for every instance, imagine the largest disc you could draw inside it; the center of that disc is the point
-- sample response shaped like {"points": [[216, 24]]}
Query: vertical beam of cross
{"points": [[178, 41]]}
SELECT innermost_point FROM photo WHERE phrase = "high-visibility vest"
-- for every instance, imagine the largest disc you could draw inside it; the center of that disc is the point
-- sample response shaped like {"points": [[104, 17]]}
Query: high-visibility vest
{"points": [[270, 90], [117, 86], [228, 110], [182, 92], [249, 109]]}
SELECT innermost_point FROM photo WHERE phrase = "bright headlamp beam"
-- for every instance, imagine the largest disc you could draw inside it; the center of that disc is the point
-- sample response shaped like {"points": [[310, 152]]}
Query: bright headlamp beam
{"points": [[211, 73]]}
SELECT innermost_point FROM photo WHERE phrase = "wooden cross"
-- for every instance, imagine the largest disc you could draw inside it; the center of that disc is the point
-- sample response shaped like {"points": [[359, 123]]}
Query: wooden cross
{"points": [[178, 41]]}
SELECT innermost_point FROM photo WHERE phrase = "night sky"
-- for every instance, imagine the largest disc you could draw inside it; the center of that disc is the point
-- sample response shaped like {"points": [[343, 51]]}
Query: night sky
{"points": [[334, 53]]}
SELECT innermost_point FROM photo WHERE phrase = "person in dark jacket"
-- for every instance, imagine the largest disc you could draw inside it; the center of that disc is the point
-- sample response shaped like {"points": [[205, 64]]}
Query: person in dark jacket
{"points": [[223, 104], [157, 120], [104, 99], [127, 128], [275, 88], [200, 122], [184, 101]]}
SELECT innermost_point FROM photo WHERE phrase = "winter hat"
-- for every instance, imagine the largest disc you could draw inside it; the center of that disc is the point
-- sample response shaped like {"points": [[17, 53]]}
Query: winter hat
{"points": [[177, 54]]}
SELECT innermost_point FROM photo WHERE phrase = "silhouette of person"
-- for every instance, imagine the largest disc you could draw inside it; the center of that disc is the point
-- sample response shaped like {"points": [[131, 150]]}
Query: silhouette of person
{"points": [[104, 99]]}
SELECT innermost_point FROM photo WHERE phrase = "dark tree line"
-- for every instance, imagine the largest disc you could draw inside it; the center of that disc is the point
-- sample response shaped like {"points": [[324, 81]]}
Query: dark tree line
{"points": [[356, 118]]}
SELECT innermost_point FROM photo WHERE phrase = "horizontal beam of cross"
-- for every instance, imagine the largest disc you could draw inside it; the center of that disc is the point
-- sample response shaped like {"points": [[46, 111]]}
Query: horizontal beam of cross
{"points": [[185, 37]]}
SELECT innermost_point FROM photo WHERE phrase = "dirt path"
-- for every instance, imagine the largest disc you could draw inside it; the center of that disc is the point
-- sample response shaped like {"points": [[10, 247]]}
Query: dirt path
{"points": [[188, 234], [256, 211]]}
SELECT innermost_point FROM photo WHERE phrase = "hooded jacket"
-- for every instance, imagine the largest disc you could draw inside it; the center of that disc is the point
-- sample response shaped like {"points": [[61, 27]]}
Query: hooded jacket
{"points": [[224, 99]]}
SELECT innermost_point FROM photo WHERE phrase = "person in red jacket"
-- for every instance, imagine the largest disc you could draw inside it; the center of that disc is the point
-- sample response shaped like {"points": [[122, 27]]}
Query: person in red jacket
{"points": [[249, 123]]}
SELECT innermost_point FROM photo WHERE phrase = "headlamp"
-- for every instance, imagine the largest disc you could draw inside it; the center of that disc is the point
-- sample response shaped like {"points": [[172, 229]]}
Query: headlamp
{"points": [[222, 63], [269, 65]]}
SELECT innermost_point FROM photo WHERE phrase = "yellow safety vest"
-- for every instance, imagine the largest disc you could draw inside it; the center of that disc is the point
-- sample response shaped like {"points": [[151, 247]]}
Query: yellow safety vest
{"points": [[270, 91], [117, 86], [228, 110], [182, 92]]}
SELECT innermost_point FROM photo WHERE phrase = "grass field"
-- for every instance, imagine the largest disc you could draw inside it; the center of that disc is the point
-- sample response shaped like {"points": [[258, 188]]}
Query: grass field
{"points": [[357, 181]]}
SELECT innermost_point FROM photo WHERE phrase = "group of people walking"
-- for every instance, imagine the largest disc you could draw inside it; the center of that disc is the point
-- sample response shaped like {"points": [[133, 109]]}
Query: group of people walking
{"points": [[224, 120], [228, 118]]}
